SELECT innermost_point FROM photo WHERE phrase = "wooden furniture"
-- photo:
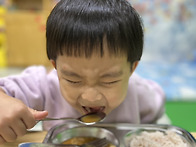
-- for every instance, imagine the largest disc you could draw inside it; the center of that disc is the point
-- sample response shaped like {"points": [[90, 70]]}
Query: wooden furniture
{"points": [[25, 31]]}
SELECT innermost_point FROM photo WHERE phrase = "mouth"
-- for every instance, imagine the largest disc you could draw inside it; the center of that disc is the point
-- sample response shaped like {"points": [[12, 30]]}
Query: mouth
{"points": [[93, 109]]}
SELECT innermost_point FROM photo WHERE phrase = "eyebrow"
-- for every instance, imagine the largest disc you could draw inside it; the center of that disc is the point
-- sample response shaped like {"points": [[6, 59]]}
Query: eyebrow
{"points": [[112, 74], [69, 73]]}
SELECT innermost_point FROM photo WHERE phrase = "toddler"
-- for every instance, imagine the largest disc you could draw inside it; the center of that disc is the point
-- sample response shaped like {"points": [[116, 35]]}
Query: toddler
{"points": [[94, 47]]}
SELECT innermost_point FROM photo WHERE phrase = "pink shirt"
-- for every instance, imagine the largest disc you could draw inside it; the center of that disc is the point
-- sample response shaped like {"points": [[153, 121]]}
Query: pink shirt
{"points": [[39, 90]]}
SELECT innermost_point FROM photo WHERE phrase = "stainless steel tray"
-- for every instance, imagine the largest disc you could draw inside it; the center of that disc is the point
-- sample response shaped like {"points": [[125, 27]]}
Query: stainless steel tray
{"points": [[121, 129]]}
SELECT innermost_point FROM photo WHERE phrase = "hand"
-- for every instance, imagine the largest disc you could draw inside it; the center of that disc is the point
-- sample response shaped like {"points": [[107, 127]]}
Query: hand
{"points": [[16, 118]]}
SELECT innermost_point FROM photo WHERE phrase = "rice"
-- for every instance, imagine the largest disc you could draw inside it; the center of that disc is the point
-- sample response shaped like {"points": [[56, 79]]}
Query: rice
{"points": [[157, 139]]}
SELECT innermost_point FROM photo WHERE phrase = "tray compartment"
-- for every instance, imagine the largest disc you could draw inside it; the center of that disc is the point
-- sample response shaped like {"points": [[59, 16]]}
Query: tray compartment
{"points": [[121, 129]]}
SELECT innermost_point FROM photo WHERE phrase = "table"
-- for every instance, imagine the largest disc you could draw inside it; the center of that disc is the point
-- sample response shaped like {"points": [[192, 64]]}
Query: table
{"points": [[36, 137], [32, 136]]}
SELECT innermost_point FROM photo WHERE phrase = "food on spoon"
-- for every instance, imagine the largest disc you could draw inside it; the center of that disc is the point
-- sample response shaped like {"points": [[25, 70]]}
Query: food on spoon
{"points": [[83, 140], [156, 139], [91, 118]]}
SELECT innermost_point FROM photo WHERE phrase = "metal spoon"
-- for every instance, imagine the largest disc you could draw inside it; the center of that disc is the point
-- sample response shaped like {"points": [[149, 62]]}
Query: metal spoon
{"points": [[87, 119]]}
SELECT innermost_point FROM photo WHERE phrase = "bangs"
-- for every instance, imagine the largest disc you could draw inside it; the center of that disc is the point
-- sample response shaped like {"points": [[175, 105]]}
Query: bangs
{"points": [[84, 42]]}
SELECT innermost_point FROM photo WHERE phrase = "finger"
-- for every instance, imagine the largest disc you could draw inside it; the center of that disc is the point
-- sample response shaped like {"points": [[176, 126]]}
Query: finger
{"points": [[8, 134], [38, 114], [28, 121], [19, 128], [2, 140], [32, 115]]}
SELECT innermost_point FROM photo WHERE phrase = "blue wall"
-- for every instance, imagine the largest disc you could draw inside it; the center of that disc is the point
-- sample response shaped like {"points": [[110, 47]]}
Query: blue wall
{"points": [[170, 45]]}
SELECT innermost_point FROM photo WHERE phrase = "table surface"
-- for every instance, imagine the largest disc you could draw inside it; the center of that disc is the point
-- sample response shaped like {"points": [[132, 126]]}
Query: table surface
{"points": [[36, 137], [29, 137]]}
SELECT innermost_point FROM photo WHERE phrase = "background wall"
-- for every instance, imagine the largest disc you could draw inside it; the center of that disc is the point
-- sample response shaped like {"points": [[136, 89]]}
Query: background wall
{"points": [[170, 45], [170, 54]]}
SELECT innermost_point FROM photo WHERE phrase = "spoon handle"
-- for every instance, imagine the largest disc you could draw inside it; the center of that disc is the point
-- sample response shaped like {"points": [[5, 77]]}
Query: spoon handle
{"points": [[63, 118]]}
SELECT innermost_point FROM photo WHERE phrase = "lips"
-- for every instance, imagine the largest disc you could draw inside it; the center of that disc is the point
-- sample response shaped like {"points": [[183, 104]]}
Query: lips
{"points": [[93, 109]]}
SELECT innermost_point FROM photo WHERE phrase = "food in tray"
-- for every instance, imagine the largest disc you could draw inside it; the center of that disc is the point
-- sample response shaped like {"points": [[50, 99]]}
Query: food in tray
{"points": [[121, 134], [80, 135], [154, 139], [79, 140], [83, 140]]}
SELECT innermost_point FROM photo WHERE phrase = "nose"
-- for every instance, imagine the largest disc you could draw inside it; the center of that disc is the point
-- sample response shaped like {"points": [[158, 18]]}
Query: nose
{"points": [[91, 95], [92, 100]]}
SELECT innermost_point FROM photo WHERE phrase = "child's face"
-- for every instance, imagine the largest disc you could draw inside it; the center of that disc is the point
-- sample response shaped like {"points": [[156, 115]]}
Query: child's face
{"points": [[94, 84]]}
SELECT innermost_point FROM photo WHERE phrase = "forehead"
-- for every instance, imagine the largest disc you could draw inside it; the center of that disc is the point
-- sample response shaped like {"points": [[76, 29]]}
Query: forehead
{"points": [[93, 65]]}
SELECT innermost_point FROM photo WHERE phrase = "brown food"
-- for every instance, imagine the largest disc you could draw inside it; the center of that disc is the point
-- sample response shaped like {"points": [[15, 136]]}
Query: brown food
{"points": [[83, 140], [91, 118], [79, 140]]}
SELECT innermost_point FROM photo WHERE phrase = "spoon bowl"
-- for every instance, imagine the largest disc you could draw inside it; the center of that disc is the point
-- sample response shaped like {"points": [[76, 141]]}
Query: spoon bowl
{"points": [[87, 119], [92, 118]]}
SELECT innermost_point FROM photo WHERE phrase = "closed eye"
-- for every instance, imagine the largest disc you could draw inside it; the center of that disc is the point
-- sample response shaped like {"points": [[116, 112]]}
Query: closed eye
{"points": [[112, 82], [73, 82]]}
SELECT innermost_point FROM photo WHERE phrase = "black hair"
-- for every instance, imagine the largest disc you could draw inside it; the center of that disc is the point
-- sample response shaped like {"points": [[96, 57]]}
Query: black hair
{"points": [[81, 27]]}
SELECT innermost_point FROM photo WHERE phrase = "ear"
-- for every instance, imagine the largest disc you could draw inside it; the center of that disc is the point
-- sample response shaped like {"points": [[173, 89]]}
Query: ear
{"points": [[134, 65], [53, 63]]}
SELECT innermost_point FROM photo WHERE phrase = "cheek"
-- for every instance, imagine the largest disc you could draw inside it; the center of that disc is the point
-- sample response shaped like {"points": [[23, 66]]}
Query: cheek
{"points": [[69, 94], [116, 96]]}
